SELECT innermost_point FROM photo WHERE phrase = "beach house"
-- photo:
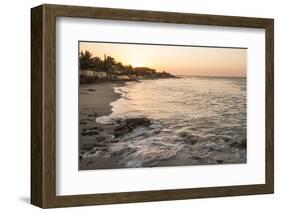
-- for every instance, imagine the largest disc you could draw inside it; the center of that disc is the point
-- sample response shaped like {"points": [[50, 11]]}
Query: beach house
{"points": [[93, 73]]}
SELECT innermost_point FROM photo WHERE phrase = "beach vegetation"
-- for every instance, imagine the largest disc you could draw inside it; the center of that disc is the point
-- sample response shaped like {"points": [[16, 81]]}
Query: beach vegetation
{"points": [[93, 68]]}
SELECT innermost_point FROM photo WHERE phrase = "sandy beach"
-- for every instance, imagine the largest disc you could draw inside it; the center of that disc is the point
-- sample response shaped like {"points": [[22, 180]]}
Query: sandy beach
{"points": [[97, 141], [90, 130]]}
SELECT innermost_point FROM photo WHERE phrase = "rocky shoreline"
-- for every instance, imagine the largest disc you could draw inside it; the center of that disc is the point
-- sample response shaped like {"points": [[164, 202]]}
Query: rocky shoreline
{"points": [[103, 137], [96, 139], [126, 142]]}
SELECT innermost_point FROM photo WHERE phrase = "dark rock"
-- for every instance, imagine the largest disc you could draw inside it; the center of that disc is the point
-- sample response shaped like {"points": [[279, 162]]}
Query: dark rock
{"points": [[89, 133], [196, 157], [219, 161], [119, 131], [99, 144], [128, 125], [135, 122], [93, 115], [192, 139], [91, 90], [183, 134], [188, 138], [93, 152], [87, 147], [226, 138], [100, 138], [93, 128], [244, 143], [240, 145], [90, 162], [119, 121], [235, 144], [211, 149]]}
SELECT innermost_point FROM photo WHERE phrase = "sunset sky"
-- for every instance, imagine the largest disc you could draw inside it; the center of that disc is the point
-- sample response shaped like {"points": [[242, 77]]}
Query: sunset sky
{"points": [[177, 60]]}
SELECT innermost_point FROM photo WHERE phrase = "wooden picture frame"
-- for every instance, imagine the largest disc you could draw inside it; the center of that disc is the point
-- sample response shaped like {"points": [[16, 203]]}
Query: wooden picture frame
{"points": [[43, 105]]}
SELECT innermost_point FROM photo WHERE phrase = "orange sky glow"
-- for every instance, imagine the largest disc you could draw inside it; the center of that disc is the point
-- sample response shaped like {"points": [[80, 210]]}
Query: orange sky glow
{"points": [[177, 60]]}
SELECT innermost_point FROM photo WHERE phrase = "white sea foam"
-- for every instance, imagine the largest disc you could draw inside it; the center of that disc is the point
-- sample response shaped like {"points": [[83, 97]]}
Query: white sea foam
{"points": [[183, 111]]}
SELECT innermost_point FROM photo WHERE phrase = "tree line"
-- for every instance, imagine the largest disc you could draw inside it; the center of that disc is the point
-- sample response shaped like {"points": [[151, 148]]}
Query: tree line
{"points": [[88, 61], [108, 64]]}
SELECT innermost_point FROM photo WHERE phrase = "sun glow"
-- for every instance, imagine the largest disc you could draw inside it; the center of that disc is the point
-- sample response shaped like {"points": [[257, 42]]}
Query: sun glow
{"points": [[177, 60], [136, 63]]}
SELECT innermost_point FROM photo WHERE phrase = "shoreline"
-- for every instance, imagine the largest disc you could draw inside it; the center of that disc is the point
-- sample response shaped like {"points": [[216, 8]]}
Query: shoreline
{"points": [[115, 145], [105, 94], [100, 145], [95, 137]]}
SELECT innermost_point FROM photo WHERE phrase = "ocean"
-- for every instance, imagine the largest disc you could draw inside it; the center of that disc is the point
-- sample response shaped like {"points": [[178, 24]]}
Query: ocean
{"points": [[203, 118]]}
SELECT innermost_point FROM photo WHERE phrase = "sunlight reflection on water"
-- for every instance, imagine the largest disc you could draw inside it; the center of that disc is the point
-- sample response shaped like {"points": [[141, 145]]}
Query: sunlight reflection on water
{"points": [[205, 109]]}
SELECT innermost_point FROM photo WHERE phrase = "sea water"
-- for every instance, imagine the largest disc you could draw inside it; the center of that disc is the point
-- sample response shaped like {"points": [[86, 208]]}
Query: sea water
{"points": [[209, 109]]}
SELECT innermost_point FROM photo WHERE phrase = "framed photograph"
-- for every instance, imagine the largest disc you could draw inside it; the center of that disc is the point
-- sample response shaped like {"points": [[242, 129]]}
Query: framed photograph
{"points": [[136, 106]]}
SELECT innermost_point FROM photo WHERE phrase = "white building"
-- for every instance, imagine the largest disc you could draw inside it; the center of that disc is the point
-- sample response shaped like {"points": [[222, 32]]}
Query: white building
{"points": [[92, 73], [99, 74]]}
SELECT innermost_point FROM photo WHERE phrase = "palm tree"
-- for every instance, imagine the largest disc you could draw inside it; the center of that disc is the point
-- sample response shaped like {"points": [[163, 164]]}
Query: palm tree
{"points": [[97, 63], [85, 60], [108, 64]]}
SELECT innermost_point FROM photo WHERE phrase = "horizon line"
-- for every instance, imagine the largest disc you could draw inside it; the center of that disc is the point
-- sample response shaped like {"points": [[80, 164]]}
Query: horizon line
{"points": [[155, 44], [215, 76]]}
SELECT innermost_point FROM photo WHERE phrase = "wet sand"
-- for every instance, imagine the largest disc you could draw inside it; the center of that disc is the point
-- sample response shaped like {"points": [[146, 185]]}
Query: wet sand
{"points": [[90, 130], [95, 99], [98, 143]]}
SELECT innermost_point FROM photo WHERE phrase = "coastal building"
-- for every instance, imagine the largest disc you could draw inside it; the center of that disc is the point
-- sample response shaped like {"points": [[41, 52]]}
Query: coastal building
{"points": [[100, 74], [88, 73], [93, 73], [116, 69]]}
